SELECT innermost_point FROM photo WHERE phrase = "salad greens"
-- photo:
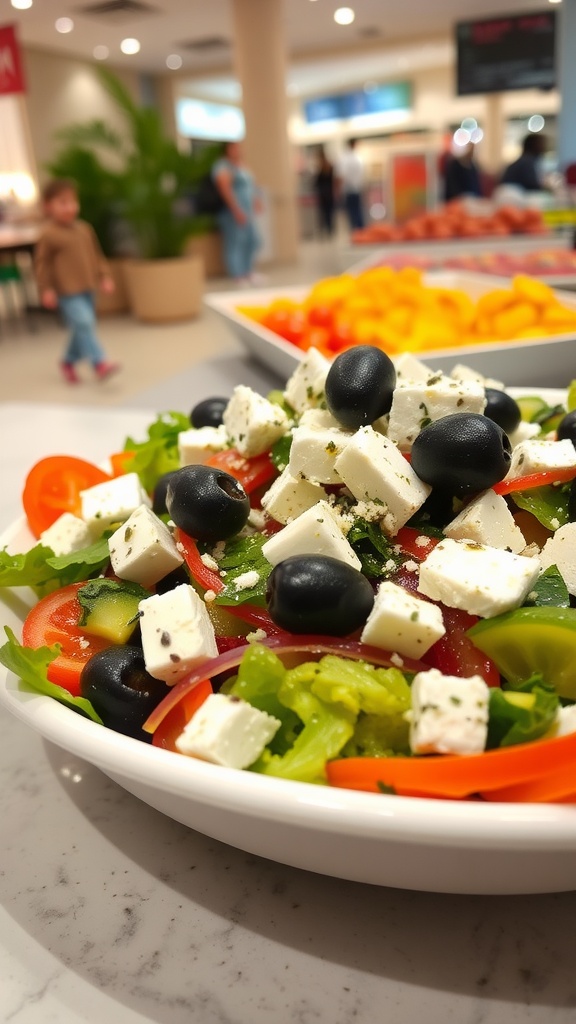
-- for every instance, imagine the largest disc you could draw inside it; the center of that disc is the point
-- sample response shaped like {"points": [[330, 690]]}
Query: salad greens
{"points": [[159, 453], [521, 715], [550, 589], [377, 553], [242, 555], [44, 571], [548, 504]]}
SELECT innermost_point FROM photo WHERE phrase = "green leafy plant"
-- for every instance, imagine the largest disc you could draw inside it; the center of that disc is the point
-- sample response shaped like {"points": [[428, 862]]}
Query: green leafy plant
{"points": [[146, 181]]}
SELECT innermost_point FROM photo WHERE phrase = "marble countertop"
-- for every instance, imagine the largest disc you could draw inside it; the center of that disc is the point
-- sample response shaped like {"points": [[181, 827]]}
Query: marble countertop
{"points": [[110, 911]]}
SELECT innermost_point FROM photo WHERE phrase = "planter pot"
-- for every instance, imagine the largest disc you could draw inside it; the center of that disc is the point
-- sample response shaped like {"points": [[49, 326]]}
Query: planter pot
{"points": [[209, 248], [118, 302], [161, 291]]}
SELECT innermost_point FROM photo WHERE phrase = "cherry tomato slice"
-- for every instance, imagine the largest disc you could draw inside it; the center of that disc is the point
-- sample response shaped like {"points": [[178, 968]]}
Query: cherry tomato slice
{"points": [[173, 725], [251, 473], [416, 544], [53, 486], [55, 620], [454, 654], [206, 577]]}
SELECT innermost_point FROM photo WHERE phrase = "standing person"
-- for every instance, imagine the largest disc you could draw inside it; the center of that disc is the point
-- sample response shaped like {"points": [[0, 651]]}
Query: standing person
{"points": [[69, 267], [237, 219], [351, 184], [324, 188], [525, 171], [461, 175]]}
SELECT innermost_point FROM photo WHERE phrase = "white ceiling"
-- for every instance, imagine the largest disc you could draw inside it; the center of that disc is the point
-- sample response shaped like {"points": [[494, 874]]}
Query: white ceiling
{"points": [[310, 29]]}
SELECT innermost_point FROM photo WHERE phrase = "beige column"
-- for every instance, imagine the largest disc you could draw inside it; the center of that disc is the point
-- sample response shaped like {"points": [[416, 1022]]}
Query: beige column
{"points": [[260, 61], [492, 146]]}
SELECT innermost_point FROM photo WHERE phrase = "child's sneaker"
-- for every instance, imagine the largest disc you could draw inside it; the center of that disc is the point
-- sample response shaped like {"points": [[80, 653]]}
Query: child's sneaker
{"points": [[69, 373], [105, 370]]}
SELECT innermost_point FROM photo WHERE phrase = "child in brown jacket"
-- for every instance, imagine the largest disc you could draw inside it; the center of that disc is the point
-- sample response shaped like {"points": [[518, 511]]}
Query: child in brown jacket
{"points": [[69, 268]]}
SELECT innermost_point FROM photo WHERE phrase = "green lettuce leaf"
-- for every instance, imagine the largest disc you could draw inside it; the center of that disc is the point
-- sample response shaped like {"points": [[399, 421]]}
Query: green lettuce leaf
{"points": [[280, 452], [549, 589], [375, 550], [44, 571], [521, 716], [31, 667], [548, 504], [240, 556], [159, 453]]}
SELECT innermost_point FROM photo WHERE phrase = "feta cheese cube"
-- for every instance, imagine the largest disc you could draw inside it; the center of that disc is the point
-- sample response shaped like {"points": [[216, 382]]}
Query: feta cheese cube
{"points": [[479, 579], [487, 520], [287, 498], [463, 373], [536, 456], [416, 404], [319, 418], [374, 470], [143, 549], [305, 388], [564, 723], [401, 622], [314, 452], [560, 550], [409, 368], [177, 634], [315, 532], [67, 534], [195, 447], [253, 423], [524, 432], [449, 714], [228, 731], [112, 501]]}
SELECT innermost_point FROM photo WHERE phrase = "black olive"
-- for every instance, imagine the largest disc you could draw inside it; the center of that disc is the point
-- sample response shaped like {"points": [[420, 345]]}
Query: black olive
{"points": [[461, 454], [359, 386], [567, 428], [159, 494], [209, 412], [207, 503], [121, 690], [502, 408], [318, 594], [173, 579]]}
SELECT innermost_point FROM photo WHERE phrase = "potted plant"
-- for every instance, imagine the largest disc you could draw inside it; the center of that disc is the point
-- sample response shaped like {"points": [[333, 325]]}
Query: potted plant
{"points": [[153, 185]]}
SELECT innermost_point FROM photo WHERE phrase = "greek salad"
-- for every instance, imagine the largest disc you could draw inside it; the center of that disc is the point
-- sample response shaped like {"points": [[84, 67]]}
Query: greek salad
{"points": [[367, 580]]}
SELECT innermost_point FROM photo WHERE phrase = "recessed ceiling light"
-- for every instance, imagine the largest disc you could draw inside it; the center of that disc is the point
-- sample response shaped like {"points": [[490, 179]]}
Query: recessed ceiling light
{"points": [[174, 61], [130, 45], [344, 16], [64, 25], [554, 1], [21, 5], [101, 52]]}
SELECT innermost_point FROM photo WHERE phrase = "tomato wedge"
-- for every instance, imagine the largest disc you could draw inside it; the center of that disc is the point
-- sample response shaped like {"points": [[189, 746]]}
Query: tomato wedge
{"points": [[456, 777], [173, 725], [54, 620], [251, 473], [202, 574], [53, 487], [121, 462], [455, 654], [531, 480], [417, 545]]}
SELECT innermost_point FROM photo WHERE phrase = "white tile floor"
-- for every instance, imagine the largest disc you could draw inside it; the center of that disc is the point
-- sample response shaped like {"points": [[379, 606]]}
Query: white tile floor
{"points": [[29, 360]]}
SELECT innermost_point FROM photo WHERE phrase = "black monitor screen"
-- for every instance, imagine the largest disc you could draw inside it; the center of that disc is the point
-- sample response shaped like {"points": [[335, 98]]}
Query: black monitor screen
{"points": [[510, 52]]}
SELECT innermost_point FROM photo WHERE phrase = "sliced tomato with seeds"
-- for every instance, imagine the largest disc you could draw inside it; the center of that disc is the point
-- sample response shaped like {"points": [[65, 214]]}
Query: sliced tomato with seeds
{"points": [[53, 487], [250, 473], [54, 620]]}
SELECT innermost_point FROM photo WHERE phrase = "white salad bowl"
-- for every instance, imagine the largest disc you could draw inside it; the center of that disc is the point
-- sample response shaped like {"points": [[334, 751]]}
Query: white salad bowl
{"points": [[430, 845]]}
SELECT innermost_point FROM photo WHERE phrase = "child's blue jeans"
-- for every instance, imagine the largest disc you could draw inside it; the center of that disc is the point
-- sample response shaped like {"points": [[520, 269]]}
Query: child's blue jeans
{"points": [[79, 315]]}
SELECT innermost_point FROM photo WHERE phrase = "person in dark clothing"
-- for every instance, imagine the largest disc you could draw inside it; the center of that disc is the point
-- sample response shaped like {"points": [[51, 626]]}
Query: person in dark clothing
{"points": [[324, 189], [524, 172], [461, 175]]}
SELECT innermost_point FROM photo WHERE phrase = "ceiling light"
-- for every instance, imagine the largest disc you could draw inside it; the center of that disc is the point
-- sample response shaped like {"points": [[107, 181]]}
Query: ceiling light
{"points": [[100, 52], [174, 61], [344, 16], [64, 25], [554, 1], [130, 46], [21, 5], [536, 123]]}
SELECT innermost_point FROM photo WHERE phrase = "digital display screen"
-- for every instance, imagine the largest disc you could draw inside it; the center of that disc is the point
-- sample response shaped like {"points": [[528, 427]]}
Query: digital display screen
{"points": [[505, 53]]}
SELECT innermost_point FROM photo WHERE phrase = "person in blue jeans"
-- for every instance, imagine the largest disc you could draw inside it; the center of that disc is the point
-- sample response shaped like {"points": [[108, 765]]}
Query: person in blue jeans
{"points": [[240, 237], [69, 267]]}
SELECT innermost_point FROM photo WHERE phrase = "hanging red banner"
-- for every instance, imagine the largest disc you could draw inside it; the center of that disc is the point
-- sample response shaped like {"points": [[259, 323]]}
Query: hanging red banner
{"points": [[11, 72]]}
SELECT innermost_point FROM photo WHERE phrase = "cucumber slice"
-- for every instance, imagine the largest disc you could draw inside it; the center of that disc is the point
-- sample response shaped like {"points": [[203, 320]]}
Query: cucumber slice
{"points": [[530, 406], [532, 640], [110, 608]]}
